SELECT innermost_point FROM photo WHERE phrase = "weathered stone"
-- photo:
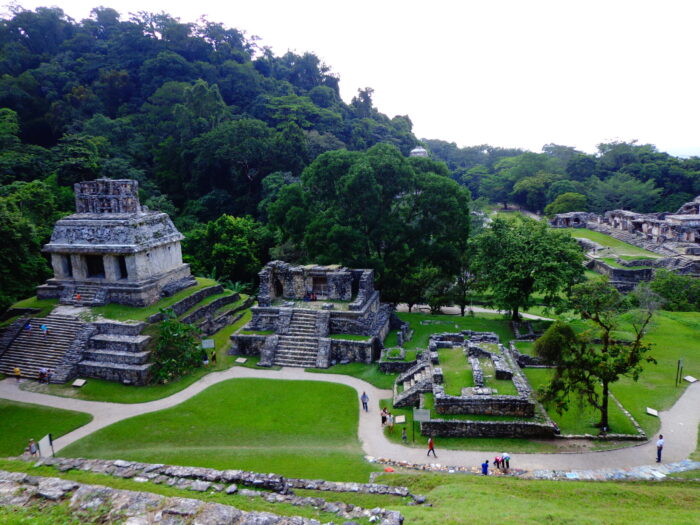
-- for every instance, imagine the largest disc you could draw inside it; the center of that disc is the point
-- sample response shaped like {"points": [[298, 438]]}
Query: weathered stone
{"points": [[231, 489], [54, 488], [215, 514], [200, 486]]}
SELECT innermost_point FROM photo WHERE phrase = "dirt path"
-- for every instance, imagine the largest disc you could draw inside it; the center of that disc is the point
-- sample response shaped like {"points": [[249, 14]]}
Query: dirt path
{"points": [[679, 424]]}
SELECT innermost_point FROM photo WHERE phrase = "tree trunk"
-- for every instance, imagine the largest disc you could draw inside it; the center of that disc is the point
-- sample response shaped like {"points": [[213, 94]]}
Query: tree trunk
{"points": [[516, 314], [604, 409], [410, 307], [461, 309]]}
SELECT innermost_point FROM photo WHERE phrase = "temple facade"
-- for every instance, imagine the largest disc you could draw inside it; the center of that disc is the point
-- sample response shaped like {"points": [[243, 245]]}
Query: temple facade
{"points": [[114, 251]]}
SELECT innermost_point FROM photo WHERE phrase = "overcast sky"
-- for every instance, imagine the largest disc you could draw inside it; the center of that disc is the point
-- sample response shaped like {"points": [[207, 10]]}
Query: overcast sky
{"points": [[520, 73]]}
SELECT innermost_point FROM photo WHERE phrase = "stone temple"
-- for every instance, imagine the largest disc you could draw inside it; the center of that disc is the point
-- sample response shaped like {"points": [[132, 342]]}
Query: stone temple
{"points": [[300, 307], [114, 251]]}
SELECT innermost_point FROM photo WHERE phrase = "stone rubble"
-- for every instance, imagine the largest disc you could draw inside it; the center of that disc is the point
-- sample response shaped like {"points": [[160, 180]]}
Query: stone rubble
{"points": [[272, 487]]}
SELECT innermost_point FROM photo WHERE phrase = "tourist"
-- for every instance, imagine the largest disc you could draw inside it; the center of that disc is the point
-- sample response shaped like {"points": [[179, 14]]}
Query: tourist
{"points": [[78, 297], [404, 437], [506, 460], [28, 326], [213, 358], [659, 448], [42, 374], [384, 414], [45, 330], [365, 399], [390, 422], [49, 373], [431, 446], [497, 462], [485, 467], [33, 448], [18, 373], [205, 357]]}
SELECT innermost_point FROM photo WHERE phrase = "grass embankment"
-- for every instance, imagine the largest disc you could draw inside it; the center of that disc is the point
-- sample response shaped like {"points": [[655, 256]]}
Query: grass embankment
{"points": [[54, 515], [120, 312], [43, 305], [618, 247], [100, 390], [294, 428], [20, 422], [369, 373], [456, 371]]}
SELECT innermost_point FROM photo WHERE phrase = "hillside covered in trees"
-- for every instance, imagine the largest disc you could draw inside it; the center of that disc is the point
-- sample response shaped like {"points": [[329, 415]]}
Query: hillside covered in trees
{"points": [[256, 155]]}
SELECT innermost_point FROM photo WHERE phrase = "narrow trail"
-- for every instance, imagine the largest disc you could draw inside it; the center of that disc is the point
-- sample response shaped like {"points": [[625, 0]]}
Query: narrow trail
{"points": [[679, 424]]}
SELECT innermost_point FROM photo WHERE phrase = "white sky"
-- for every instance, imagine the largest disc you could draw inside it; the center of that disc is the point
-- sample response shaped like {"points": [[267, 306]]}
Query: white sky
{"points": [[506, 73]]}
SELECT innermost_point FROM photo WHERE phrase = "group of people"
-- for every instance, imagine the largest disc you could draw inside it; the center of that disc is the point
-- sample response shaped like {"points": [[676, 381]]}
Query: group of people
{"points": [[387, 419], [43, 328], [45, 375], [310, 296]]}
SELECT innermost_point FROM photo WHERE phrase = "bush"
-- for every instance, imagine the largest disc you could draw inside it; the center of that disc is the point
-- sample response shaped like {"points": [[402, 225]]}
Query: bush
{"points": [[178, 349], [681, 292]]}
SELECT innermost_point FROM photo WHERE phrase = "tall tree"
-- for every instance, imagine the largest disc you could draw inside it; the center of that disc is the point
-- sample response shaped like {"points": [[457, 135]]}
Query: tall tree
{"points": [[517, 257], [586, 367]]}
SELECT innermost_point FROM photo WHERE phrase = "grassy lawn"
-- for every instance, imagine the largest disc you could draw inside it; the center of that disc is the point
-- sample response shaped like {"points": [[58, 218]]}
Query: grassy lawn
{"points": [[350, 337], [211, 299], [244, 503], [453, 323], [369, 373], [295, 428], [456, 371], [525, 347], [474, 499], [613, 262], [22, 422], [120, 312], [619, 247], [44, 305], [579, 419]]}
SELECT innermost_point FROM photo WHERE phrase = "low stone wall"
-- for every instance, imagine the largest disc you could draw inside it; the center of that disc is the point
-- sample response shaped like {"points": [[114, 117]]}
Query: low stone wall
{"points": [[622, 274], [247, 344], [120, 373], [509, 429], [188, 302], [492, 405], [210, 308], [347, 351], [24, 312], [395, 367], [526, 361], [117, 328], [11, 332], [69, 367]]}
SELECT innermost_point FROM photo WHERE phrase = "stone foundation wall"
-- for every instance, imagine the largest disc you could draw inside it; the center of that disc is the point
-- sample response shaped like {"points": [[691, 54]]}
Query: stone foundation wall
{"points": [[395, 367], [247, 344], [117, 328], [119, 374], [620, 274], [492, 405], [69, 367], [507, 429], [188, 302], [11, 332], [210, 308], [347, 351]]}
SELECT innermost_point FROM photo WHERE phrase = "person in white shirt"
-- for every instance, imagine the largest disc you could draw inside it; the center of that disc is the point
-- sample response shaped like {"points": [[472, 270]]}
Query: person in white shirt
{"points": [[659, 448]]}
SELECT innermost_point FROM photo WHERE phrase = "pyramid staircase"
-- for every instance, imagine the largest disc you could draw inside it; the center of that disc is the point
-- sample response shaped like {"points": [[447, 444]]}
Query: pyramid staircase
{"points": [[299, 346], [90, 295], [415, 381], [31, 350]]}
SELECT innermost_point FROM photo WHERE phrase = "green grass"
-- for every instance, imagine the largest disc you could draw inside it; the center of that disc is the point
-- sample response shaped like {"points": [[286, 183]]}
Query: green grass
{"points": [[460, 499], [369, 373], [613, 262], [244, 503], [208, 300], [453, 323], [392, 339], [21, 422], [295, 428], [120, 312], [257, 332], [525, 347], [580, 419], [456, 371], [43, 305], [617, 246], [350, 337]]}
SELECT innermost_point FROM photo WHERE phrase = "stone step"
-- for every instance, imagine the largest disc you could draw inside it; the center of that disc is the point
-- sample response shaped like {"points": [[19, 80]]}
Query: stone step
{"points": [[111, 357], [135, 374], [119, 343]]}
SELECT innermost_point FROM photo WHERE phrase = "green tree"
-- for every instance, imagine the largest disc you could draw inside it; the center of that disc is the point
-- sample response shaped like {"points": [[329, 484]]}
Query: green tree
{"points": [[177, 351], [585, 367], [565, 203], [681, 293], [517, 257], [622, 191]]}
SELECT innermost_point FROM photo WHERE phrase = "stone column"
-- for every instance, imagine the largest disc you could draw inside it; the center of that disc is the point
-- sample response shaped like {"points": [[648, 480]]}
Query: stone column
{"points": [[80, 272], [111, 267], [59, 267], [133, 268]]}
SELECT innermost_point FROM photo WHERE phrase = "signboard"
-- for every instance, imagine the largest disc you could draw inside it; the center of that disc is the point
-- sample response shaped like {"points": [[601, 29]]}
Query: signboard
{"points": [[45, 449], [690, 379], [420, 414], [652, 412], [400, 419], [207, 343]]}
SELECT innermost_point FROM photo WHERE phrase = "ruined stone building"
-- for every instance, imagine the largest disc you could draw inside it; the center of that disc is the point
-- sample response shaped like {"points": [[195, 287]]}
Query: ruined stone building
{"points": [[299, 307], [114, 251]]}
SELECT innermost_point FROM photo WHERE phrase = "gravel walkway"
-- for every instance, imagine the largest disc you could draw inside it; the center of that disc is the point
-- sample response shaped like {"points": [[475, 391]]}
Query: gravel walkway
{"points": [[679, 424]]}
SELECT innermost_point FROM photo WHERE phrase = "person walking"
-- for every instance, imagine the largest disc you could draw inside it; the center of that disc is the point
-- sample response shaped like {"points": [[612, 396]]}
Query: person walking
{"points": [[659, 448], [28, 326], [49, 373], [18, 373], [384, 414], [431, 446], [485, 468], [390, 422], [33, 448], [44, 330], [497, 461], [365, 399]]}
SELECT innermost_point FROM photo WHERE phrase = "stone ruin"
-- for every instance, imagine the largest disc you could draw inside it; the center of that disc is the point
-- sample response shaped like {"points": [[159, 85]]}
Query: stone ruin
{"points": [[528, 418], [114, 251], [675, 237], [299, 307]]}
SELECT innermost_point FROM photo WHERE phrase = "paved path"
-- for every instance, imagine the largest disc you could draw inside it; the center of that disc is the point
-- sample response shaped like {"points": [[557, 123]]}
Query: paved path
{"points": [[679, 424], [454, 310]]}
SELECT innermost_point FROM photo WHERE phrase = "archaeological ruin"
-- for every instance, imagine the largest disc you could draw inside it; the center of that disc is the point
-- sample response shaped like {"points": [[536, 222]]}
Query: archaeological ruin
{"points": [[300, 307], [112, 250], [673, 237]]}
